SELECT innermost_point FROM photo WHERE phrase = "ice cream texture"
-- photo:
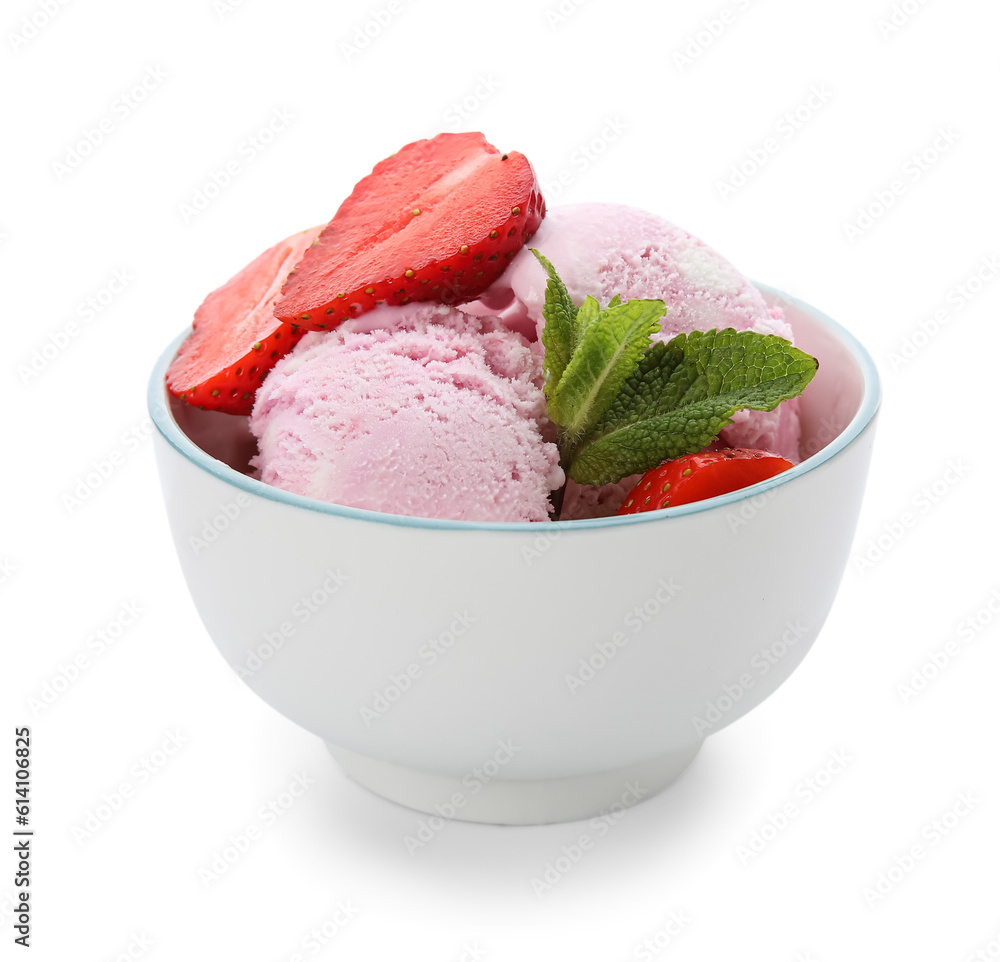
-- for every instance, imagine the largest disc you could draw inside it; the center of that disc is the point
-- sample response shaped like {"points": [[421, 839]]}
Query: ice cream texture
{"points": [[418, 410], [435, 411]]}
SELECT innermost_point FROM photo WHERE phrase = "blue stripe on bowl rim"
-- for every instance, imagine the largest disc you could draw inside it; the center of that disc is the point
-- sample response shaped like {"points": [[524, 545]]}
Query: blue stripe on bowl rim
{"points": [[160, 413]]}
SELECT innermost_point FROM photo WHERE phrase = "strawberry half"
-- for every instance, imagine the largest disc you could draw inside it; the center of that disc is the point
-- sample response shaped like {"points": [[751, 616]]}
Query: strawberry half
{"points": [[440, 220], [236, 339], [695, 477]]}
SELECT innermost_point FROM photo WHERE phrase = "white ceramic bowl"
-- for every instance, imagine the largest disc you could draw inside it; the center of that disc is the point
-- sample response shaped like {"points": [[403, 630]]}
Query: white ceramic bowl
{"points": [[521, 673]]}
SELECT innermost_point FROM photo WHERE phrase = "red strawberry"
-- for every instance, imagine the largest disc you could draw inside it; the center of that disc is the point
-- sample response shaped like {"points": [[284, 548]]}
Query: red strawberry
{"points": [[236, 338], [698, 476], [440, 220]]}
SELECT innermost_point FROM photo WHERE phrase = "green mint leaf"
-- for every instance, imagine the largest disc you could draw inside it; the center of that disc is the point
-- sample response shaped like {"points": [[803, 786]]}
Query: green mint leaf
{"points": [[558, 334], [615, 301], [680, 396], [608, 352], [588, 313]]}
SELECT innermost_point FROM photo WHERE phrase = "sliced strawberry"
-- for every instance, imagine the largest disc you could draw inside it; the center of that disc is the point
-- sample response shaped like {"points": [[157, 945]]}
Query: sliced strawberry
{"points": [[236, 338], [695, 477], [440, 220]]}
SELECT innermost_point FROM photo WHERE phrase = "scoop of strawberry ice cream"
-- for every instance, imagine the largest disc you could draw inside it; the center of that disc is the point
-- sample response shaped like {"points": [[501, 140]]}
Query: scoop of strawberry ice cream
{"points": [[608, 249], [418, 410]]}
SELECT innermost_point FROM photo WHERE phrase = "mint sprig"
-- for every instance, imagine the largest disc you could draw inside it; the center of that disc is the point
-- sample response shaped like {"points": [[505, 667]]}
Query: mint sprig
{"points": [[623, 407]]}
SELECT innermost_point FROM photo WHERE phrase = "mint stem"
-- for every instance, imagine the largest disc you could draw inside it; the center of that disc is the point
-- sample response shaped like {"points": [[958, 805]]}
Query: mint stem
{"points": [[567, 451]]}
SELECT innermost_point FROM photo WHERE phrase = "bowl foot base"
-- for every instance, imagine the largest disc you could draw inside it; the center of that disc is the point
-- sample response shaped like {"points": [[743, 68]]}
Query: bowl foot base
{"points": [[511, 801]]}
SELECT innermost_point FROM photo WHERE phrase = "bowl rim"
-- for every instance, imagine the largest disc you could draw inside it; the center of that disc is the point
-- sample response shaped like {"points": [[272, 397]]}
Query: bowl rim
{"points": [[168, 428]]}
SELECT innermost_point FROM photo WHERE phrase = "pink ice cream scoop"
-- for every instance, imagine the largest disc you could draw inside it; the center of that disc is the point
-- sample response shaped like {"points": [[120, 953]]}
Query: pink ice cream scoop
{"points": [[417, 410]]}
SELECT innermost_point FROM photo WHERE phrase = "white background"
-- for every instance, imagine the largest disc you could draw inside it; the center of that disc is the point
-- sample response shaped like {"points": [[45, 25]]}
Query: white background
{"points": [[600, 97]]}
